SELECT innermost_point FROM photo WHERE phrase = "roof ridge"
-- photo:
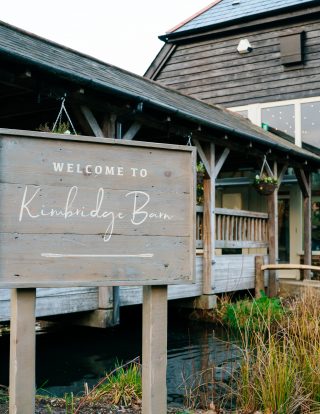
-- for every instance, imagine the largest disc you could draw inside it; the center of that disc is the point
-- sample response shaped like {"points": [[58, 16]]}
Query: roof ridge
{"points": [[187, 20]]}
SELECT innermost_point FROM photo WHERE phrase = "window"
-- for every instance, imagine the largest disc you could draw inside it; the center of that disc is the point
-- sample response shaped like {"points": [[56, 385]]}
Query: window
{"points": [[299, 118], [280, 118], [310, 123]]}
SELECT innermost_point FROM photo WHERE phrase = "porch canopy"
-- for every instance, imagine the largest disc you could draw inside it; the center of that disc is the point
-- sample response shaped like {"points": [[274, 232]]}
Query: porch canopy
{"points": [[106, 101]]}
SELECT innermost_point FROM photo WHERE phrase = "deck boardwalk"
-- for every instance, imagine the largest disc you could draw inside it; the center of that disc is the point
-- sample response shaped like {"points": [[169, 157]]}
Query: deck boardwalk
{"points": [[232, 272]]}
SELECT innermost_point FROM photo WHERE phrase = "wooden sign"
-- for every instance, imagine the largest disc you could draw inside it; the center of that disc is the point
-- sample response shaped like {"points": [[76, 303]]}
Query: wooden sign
{"points": [[79, 211]]}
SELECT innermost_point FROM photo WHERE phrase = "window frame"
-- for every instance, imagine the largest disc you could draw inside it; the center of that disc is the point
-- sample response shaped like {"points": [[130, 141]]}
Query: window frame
{"points": [[254, 112]]}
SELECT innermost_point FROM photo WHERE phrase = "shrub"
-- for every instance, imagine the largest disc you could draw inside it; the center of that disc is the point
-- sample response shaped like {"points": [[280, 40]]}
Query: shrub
{"points": [[254, 314]]}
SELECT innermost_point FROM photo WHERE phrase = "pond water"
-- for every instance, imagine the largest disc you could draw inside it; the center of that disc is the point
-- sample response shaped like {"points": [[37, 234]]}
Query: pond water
{"points": [[69, 357]]}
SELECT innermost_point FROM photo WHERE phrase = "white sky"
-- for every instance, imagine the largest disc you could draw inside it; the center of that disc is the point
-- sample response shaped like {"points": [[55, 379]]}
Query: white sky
{"points": [[121, 32]]}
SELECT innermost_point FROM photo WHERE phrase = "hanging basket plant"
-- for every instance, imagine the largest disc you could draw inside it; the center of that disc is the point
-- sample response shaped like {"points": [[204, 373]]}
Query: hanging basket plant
{"points": [[265, 183]]}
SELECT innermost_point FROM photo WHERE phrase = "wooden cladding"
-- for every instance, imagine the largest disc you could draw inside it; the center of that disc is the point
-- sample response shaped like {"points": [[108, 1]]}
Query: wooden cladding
{"points": [[236, 228], [213, 71], [93, 213]]}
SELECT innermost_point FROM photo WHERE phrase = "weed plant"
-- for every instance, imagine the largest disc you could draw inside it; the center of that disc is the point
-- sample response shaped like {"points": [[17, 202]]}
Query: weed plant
{"points": [[122, 387]]}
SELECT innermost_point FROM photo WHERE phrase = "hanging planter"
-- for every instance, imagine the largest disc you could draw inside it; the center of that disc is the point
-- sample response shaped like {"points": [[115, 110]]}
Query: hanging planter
{"points": [[265, 187], [265, 183]]}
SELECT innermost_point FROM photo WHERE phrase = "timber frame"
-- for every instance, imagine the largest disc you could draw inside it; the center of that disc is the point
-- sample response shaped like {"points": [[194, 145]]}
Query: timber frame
{"points": [[104, 101]]}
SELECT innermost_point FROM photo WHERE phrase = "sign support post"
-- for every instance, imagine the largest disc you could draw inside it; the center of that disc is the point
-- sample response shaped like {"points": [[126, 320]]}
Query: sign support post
{"points": [[154, 350], [22, 351]]}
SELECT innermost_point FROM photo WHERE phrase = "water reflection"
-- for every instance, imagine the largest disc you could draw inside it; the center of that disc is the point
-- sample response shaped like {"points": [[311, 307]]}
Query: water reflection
{"points": [[68, 358]]}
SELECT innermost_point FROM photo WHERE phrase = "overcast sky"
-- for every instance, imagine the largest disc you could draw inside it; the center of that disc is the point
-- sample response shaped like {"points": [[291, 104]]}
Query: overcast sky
{"points": [[121, 32]]}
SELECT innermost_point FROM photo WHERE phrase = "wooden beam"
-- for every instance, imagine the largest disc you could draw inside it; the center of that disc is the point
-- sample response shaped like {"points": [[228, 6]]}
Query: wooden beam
{"points": [[91, 120], [22, 352], [291, 266], [221, 161], [307, 228], [132, 131], [282, 173], [259, 277], [302, 181], [209, 223], [109, 126], [272, 206], [202, 156], [154, 350]]}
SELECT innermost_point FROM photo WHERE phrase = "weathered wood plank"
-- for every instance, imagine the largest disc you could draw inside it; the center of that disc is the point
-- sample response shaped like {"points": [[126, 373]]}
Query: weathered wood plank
{"points": [[259, 278], [272, 206], [210, 69], [43, 159], [64, 221], [240, 213], [307, 225], [22, 352], [240, 244], [106, 208], [209, 226], [55, 301], [154, 350], [92, 122], [132, 131], [23, 258]]}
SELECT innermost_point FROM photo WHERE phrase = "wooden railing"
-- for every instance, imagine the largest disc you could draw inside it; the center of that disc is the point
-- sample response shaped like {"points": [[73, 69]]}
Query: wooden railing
{"points": [[235, 228]]}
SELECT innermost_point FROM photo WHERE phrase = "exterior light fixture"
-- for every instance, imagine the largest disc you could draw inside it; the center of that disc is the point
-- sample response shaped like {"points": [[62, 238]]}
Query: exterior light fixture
{"points": [[244, 46]]}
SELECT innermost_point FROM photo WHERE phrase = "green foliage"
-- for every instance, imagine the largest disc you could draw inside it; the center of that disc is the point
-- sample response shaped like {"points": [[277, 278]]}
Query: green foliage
{"points": [[265, 179], [253, 314], [61, 128], [280, 370], [70, 403], [4, 397], [122, 387]]}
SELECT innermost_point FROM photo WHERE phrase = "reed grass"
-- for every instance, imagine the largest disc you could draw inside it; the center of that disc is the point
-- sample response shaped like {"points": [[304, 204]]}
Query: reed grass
{"points": [[280, 371]]}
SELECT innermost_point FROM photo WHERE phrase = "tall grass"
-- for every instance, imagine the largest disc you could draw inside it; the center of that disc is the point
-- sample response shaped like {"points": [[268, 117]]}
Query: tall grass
{"points": [[280, 372], [122, 386]]}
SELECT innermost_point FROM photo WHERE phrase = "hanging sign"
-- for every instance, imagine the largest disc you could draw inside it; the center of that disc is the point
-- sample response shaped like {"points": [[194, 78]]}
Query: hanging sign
{"points": [[76, 212]]}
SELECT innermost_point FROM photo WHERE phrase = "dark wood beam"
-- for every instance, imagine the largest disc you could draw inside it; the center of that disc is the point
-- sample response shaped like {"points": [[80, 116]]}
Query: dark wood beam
{"points": [[91, 120], [307, 226], [281, 173], [132, 131], [109, 126], [303, 182], [272, 208], [221, 161], [203, 156]]}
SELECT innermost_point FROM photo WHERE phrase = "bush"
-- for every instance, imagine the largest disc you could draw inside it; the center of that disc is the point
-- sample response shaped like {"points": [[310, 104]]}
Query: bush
{"points": [[253, 314]]}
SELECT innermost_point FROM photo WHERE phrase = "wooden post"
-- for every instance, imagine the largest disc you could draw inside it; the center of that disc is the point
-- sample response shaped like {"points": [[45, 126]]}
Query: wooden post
{"points": [[154, 350], [22, 352], [307, 227], [209, 225], [109, 126], [304, 180], [273, 284], [259, 277]]}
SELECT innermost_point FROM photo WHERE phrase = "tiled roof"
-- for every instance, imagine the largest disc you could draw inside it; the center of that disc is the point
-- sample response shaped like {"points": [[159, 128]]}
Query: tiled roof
{"points": [[224, 11], [65, 63]]}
